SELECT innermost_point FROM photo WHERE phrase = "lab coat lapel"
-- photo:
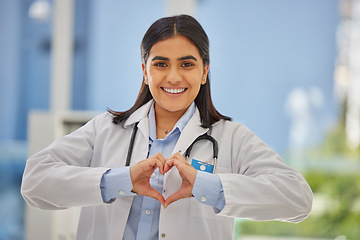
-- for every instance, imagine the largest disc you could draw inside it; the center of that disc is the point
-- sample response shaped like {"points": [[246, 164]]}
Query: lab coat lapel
{"points": [[191, 131], [141, 144]]}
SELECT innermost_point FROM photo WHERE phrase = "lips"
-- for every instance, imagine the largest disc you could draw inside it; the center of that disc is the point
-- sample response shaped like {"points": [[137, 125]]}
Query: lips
{"points": [[174, 90]]}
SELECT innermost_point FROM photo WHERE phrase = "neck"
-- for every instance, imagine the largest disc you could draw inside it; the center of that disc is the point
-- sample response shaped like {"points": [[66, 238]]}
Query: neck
{"points": [[165, 121]]}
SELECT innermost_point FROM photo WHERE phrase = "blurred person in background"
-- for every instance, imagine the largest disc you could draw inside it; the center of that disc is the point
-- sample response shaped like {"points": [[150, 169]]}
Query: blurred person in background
{"points": [[170, 167]]}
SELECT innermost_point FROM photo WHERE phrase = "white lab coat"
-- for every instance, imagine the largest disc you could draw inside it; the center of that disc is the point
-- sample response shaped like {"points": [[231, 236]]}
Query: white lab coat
{"points": [[257, 184]]}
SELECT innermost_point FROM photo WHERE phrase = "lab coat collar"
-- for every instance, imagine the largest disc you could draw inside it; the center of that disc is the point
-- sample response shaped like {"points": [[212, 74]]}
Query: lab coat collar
{"points": [[191, 131], [139, 114]]}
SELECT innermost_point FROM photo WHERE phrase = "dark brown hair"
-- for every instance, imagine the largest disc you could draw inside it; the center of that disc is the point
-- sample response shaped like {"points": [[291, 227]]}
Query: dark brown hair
{"points": [[163, 29]]}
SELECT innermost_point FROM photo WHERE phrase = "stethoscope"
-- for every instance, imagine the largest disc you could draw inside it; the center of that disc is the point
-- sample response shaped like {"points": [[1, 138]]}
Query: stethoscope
{"points": [[205, 136]]}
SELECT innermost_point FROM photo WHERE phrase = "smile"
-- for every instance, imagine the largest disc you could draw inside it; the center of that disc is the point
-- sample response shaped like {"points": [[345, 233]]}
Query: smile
{"points": [[174, 90]]}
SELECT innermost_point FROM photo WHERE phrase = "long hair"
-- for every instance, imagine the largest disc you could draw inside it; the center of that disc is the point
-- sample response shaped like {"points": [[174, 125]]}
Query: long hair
{"points": [[163, 29]]}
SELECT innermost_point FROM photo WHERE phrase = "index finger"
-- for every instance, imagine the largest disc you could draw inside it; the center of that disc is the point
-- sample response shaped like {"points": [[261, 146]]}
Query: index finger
{"points": [[158, 160], [180, 164]]}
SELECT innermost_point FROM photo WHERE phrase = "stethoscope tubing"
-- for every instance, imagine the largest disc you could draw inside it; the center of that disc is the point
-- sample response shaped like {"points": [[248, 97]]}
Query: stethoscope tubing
{"points": [[131, 145]]}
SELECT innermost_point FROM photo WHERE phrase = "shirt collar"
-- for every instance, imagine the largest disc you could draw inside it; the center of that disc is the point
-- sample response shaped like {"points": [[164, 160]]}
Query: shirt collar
{"points": [[180, 124]]}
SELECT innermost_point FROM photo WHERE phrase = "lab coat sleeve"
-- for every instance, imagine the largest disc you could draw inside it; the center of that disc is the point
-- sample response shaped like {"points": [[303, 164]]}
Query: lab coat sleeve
{"points": [[262, 187], [60, 176]]}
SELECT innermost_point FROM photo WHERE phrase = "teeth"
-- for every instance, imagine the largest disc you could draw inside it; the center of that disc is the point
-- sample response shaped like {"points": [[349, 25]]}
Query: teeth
{"points": [[172, 90]]}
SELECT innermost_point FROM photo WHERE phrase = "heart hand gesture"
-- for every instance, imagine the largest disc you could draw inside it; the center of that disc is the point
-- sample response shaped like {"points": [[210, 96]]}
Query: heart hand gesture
{"points": [[187, 174], [141, 172], [140, 175]]}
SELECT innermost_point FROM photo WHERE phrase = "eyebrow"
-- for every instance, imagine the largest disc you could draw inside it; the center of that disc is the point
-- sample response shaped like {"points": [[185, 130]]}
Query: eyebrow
{"points": [[160, 58], [187, 58], [179, 59]]}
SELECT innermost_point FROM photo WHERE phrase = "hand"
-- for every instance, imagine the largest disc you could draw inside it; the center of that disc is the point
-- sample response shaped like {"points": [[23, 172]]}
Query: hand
{"points": [[140, 174], [187, 173]]}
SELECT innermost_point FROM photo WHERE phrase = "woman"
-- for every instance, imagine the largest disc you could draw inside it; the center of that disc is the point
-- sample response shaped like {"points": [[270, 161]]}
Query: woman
{"points": [[162, 195]]}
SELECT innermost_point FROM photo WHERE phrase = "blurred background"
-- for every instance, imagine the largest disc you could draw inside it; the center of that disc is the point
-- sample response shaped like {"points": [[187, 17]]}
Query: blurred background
{"points": [[289, 70]]}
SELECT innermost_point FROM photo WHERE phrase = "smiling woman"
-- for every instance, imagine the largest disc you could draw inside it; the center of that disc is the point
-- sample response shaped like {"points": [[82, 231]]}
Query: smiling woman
{"points": [[142, 184], [174, 80], [192, 33]]}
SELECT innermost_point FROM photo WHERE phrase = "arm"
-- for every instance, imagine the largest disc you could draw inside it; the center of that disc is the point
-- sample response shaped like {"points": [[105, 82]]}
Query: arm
{"points": [[262, 187], [60, 176]]}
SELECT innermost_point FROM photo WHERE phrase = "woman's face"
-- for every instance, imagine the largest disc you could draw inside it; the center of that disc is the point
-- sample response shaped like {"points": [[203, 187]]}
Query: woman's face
{"points": [[174, 72]]}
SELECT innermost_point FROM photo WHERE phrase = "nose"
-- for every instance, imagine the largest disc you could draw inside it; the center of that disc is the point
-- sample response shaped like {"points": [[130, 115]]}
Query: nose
{"points": [[173, 75]]}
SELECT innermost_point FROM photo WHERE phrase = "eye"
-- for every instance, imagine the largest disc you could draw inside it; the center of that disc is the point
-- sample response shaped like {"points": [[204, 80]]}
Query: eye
{"points": [[187, 64], [160, 64]]}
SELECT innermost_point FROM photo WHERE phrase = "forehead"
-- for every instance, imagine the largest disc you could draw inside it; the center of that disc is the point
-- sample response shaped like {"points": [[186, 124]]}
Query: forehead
{"points": [[177, 46]]}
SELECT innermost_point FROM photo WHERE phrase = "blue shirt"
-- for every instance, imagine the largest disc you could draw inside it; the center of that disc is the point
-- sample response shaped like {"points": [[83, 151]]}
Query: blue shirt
{"points": [[145, 211]]}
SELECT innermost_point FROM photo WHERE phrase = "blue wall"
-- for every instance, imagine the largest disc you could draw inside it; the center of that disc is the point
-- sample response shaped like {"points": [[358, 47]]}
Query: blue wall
{"points": [[24, 67], [9, 66], [261, 50]]}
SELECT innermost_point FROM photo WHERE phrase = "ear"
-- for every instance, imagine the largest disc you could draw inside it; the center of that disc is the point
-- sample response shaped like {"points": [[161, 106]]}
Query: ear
{"points": [[205, 74], [144, 73]]}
